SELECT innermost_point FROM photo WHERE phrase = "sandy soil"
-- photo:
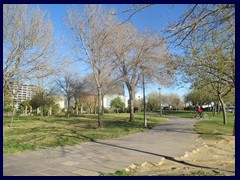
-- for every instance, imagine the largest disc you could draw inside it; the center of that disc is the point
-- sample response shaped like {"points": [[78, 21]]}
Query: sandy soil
{"points": [[214, 158]]}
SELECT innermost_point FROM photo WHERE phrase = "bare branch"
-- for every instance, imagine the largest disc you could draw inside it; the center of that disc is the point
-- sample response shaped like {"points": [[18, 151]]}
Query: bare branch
{"points": [[28, 42]]}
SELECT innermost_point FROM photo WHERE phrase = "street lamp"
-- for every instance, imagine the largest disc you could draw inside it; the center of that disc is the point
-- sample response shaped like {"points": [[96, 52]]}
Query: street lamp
{"points": [[144, 102], [160, 101]]}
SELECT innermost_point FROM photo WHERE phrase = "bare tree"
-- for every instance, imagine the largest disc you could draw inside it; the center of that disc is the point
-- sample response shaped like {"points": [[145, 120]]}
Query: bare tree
{"points": [[77, 94], [215, 61], [27, 42], [134, 9], [91, 88], [137, 54], [91, 30], [89, 100], [193, 20], [199, 16], [67, 88]]}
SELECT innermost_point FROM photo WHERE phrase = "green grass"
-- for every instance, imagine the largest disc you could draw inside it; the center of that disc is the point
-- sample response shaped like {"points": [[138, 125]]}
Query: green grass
{"points": [[34, 132], [204, 173], [180, 113], [214, 127], [198, 173], [118, 173]]}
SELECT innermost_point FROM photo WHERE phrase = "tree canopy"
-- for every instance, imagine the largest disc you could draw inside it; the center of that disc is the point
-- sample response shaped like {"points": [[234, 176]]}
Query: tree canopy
{"points": [[117, 103]]}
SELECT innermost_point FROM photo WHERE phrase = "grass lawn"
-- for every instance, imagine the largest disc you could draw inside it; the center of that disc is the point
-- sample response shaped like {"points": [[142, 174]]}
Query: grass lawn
{"points": [[179, 113], [34, 132], [214, 127]]}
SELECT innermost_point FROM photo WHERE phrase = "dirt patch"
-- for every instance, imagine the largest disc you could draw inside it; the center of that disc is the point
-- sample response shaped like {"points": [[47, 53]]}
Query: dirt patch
{"points": [[212, 159]]}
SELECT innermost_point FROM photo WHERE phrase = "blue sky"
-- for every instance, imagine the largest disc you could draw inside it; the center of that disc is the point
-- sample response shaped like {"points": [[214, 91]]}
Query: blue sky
{"points": [[154, 18]]}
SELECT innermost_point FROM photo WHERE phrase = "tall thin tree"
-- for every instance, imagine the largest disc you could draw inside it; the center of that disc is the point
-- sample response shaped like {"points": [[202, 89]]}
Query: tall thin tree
{"points": [[91, 30]]}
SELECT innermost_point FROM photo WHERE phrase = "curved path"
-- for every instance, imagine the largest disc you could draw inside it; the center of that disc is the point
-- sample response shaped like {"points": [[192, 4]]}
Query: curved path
{"points": [[169, 140]]}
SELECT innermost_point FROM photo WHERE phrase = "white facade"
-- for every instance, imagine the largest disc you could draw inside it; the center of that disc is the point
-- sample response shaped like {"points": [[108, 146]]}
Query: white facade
{"points": [[108, 98], [22, 93], [61, 102]]}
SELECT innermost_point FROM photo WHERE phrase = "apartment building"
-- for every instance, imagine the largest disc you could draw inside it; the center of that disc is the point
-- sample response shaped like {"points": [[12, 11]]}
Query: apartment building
{"points": [[22, 93]]}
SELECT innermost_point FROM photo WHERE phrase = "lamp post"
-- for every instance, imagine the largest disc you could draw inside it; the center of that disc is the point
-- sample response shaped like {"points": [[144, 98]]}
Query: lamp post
{"points": [[160, 101], [144, 102]]}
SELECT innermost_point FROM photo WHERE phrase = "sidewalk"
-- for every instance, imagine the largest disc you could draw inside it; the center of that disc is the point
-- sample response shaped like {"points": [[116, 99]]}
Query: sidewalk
{"points": [[168, 140]]}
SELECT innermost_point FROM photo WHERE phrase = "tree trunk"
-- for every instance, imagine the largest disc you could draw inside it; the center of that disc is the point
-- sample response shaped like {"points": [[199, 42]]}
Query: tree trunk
{"points": [[26, 108], [37, 111], [42, 110], [81, 109], [68, 107], [76, 108], [102, 105], [213, 110], [95, 105], [30, 110], [100, 123], [131, 96], [50, 111], [223, 108], [12, 117], [218, 108]]}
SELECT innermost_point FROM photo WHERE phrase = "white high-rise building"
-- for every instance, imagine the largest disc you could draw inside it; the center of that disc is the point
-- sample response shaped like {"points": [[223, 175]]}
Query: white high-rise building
{"points": [[22, 93]]}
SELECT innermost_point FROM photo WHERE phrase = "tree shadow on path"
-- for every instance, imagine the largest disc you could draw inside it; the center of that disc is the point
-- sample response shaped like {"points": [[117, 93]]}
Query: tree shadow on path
{"points": [[159, 155]]}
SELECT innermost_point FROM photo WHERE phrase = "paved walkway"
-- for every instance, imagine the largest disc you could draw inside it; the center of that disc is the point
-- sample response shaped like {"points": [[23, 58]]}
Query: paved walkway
{"points": [[168, 140]]}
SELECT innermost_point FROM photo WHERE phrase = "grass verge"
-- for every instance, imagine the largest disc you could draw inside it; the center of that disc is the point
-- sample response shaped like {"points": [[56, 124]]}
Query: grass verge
{"points": [[118, 173], [214, 128], [34, 132]]}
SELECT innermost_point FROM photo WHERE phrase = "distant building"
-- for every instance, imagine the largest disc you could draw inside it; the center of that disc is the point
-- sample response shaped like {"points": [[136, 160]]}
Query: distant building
{"points": [[89, 100], [108, 98], [61, 102], [116, 91], [22, 92]]}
